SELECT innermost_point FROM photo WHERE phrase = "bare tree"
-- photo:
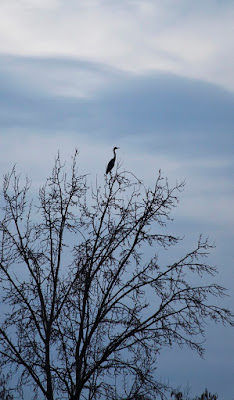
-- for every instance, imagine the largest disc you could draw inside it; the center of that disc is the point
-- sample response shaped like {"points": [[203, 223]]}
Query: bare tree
{"points": [[178, 395], [207, 396], [86, 305]]}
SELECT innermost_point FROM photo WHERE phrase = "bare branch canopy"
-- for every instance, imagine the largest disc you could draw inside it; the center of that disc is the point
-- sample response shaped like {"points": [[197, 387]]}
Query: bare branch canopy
{"points": [[87, 306]]}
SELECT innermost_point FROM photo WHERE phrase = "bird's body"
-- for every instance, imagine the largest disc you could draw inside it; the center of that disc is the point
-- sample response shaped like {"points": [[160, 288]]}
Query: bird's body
{"points": [[111, 163]]}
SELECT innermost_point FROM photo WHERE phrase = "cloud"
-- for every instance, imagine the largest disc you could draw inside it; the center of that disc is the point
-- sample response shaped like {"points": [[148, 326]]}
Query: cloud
{"points": [[175, 114], [55, 75], [189, 39]]}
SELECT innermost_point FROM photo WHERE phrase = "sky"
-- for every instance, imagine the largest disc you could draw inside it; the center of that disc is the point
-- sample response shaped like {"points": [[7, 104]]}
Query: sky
{"points": [[153, 77]]}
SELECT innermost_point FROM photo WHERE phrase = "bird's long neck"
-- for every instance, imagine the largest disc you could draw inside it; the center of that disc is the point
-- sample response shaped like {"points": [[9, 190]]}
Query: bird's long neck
{"points": [[114, 153]]}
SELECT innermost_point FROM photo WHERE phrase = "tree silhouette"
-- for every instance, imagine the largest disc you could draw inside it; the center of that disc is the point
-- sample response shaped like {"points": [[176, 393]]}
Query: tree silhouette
{"points": [[178, 395], [87, 305], [207, 396]]}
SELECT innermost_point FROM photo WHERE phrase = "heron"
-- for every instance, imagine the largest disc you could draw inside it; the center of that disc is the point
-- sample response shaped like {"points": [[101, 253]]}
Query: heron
{"points": [[111, 163]]}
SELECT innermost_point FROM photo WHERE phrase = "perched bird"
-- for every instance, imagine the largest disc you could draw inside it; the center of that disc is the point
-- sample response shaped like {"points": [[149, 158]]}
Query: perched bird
{"points": [[111, 163]]}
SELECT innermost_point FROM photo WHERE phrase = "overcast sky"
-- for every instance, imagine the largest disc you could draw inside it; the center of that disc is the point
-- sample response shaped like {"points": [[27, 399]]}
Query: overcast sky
{"points": [[154, 77]]}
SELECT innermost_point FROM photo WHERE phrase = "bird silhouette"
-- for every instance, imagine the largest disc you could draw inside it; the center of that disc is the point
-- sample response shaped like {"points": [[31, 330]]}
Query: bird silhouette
{"points": [[111, 163]]}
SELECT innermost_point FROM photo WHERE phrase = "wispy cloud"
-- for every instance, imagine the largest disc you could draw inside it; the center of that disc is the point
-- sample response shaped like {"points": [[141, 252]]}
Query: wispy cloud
{"points": [[186, 116], [190, 39]]}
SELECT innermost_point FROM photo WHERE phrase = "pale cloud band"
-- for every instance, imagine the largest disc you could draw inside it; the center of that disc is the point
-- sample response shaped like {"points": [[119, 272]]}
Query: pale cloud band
{"points": [[192, 39]]}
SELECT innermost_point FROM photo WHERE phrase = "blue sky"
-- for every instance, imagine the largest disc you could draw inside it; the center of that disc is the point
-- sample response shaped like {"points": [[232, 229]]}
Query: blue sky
{"points": [[152, 77]]}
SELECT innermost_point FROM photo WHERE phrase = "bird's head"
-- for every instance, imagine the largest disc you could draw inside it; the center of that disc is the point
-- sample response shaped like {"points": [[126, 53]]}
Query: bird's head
{"points": [[115, 148]]}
